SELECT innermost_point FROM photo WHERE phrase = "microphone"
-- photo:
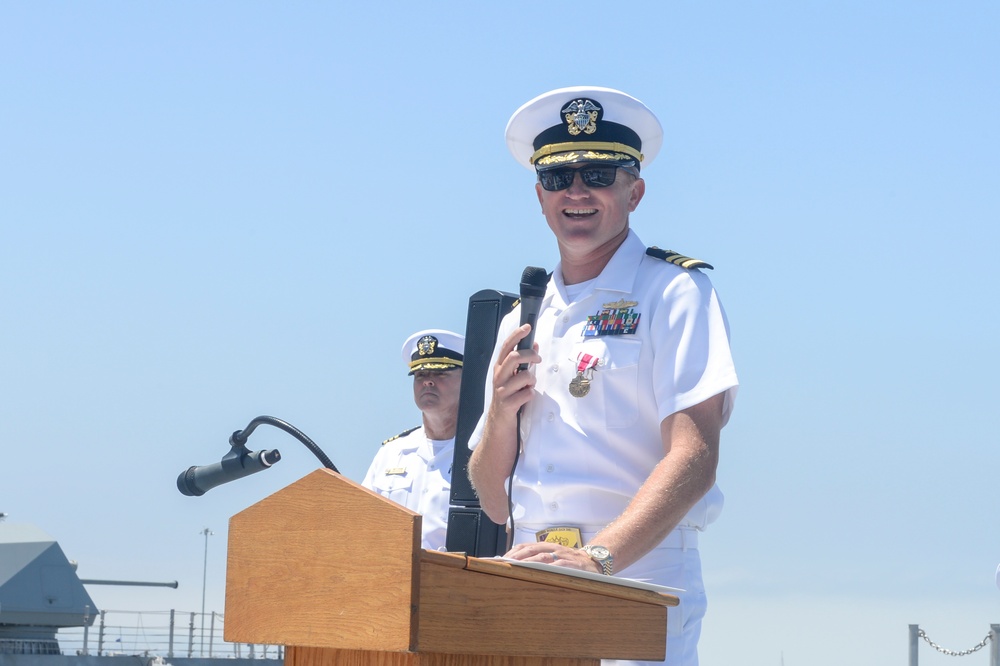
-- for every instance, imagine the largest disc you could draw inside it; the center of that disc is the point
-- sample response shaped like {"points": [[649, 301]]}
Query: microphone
{"points": [[533, 281], [236, 464], [240, 461]]}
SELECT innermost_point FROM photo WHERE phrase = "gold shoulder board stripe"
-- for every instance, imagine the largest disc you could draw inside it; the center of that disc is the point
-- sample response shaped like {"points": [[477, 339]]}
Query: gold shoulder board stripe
{"points": [[402, 434], [677, 259]]}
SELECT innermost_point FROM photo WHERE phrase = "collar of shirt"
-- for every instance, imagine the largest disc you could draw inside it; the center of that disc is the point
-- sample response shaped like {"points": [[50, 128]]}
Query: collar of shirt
{"points": [[426, 448], [415, 441], [619, 275]]}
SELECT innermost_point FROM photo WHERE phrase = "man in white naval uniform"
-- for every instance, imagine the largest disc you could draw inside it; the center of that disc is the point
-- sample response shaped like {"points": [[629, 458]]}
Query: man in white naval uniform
{"points": [[631, 377], [414, 467]]}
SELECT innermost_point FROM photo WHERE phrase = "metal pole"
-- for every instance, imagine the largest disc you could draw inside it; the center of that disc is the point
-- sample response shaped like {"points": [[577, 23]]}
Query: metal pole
{"points": [[914, 638], [100, 636], [191, 636], [204, 579], [211, 636], [86, 627], [995, 645], [170, 647]]}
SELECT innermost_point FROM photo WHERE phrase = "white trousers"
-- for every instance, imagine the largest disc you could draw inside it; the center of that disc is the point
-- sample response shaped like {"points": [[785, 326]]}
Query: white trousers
{"points": [[680, 568]]}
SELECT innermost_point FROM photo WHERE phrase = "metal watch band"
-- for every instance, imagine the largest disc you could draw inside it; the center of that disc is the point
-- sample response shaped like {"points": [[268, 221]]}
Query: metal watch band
{"points": [[602, 556]]}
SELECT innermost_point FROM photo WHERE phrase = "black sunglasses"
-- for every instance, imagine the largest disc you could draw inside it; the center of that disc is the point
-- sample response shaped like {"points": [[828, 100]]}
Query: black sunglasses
{"points": [[596, 175]]}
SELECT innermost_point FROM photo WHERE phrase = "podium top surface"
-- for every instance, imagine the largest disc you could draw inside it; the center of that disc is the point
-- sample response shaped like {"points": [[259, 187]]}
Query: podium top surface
{"points": [[611, 586]]}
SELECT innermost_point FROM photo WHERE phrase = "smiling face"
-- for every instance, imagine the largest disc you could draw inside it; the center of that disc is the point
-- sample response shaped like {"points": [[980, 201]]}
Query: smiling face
{"points": [[590, 222]]}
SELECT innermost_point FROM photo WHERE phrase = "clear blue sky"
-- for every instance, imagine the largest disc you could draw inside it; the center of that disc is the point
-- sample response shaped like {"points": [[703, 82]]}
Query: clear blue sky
{"points": [[212, 211]]}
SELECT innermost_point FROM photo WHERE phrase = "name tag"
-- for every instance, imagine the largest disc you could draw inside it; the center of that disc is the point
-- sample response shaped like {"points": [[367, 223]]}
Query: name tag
{"points": [[395, 471]]}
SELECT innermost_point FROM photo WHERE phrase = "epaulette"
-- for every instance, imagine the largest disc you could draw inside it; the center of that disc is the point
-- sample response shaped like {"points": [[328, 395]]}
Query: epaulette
{"points": [[402, 434], [677, 259]]}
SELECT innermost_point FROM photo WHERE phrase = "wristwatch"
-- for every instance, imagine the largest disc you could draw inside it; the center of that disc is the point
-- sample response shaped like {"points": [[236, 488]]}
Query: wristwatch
{"points": [[602, 556]]}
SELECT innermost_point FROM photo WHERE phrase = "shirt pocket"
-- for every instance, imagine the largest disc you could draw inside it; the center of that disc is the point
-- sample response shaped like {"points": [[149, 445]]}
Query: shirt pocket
{"points": [[396, 486], [616, 378]]}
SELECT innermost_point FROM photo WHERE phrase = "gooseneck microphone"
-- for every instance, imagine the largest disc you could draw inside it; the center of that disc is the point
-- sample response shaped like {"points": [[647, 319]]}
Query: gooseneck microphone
{"points": [[240, 461], [533, 281]]}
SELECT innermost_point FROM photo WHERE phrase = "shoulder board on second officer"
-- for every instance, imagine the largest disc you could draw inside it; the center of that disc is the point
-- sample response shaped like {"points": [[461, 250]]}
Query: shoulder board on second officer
{"points": [[677, 259], [402, 434]]}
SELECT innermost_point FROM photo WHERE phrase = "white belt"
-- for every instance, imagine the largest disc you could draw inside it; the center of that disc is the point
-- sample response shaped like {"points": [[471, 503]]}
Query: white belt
{"points": [[684, 538]]}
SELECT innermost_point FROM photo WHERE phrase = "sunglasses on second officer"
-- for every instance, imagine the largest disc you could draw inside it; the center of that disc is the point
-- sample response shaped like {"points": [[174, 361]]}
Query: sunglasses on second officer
{"points": [[591, 175]]}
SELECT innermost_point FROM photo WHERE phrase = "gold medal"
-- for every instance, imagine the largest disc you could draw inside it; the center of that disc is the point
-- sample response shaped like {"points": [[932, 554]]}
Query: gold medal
{"points": [[579, 386]]}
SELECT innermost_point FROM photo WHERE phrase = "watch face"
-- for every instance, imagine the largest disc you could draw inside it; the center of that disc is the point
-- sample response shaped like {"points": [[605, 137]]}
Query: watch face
{"points": [[598, 552]]}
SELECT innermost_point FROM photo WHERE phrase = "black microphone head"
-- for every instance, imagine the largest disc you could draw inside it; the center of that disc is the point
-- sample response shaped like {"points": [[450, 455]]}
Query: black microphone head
{"points": [[533, 281], [535, 276], [186, 483]]}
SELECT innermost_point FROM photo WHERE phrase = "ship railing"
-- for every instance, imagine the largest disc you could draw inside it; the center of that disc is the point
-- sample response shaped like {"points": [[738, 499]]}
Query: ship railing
{"points": [[916, 633], [168, 634]]}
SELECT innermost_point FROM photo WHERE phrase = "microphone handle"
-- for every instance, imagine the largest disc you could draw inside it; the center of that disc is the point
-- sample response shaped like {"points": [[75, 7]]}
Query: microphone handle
{"points": [[530, 306]]}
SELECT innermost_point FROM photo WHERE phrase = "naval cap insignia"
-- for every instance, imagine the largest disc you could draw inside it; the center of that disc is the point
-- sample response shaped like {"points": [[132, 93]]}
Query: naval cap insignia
{"points": [[581, 116], [426, 345]]}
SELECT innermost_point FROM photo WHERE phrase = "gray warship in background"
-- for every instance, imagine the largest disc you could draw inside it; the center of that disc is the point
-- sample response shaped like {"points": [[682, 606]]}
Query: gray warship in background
{"points": [[47, 617]]}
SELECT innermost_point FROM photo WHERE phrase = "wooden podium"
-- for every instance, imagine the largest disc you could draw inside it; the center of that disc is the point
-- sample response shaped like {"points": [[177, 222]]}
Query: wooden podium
{"points": [[335, 573]]}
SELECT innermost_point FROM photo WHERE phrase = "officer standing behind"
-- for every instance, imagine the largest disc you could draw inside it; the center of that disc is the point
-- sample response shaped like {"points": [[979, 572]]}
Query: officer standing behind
{"points": [[414, 467], [631, 378]]}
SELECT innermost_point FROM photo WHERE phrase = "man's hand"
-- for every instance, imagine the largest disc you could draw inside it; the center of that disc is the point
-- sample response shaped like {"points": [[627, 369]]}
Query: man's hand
{"points": [[493, 458], [553, 553], [513, 389]]}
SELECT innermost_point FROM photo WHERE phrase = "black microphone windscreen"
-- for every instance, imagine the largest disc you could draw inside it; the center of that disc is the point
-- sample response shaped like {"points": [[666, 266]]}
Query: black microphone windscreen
{"points": [[534, 275], [533, 281]]}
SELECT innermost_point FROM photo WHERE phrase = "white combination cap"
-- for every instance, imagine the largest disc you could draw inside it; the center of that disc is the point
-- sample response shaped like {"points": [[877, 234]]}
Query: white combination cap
{"points": [[584, 124], [433, 349]]}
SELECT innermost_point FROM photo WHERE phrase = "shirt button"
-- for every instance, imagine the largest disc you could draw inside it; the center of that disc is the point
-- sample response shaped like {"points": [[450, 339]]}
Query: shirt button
{"points": [[550, 468], [554, 506], [551, 417], [555, 368]]}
